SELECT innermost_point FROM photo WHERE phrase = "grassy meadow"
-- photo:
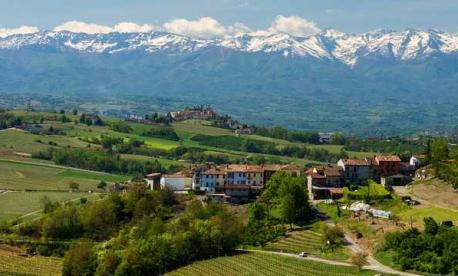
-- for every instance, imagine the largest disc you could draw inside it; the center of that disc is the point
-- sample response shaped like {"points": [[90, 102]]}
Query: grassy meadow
{"points": [[22, 175], [18, 204]]}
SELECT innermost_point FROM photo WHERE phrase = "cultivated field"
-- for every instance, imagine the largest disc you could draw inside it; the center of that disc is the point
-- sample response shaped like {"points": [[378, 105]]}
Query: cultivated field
{"points": [[13, 262], [263, 264], [305, 241], [18, 204]]}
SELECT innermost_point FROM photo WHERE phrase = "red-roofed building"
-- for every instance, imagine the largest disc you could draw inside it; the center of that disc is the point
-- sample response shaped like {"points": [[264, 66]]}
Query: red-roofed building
{"points": [[324, 181], [387, 165]]}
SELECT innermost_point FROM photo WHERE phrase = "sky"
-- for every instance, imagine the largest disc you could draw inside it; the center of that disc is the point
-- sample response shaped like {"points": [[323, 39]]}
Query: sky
{"points": [[217, 17]]}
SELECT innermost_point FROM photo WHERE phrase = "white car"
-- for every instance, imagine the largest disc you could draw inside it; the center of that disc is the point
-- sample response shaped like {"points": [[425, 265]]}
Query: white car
{"points": [[303, 254]]}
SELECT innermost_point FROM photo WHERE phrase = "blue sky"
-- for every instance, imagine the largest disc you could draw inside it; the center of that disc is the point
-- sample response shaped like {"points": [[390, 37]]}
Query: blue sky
{"points": [[345, 15]]}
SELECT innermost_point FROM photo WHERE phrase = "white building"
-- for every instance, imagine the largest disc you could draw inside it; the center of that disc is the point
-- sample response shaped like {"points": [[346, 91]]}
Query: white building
{"points": [[414, 162], [176, 182]]}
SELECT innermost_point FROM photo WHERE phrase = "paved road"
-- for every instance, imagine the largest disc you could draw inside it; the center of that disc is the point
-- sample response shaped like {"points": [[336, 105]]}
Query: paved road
{"points": [[310, 258]]}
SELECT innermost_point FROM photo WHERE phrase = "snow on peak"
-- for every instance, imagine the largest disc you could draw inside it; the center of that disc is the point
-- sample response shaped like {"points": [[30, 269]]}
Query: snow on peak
{"points": [[18, 31], [329, 44]]}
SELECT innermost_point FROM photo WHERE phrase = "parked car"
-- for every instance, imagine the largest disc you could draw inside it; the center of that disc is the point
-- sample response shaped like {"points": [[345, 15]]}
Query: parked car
{"points": [[303, 254], [412, 202]]}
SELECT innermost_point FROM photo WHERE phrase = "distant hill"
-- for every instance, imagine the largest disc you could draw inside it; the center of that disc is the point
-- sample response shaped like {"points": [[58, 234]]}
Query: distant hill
{"points": [[382, 82]]}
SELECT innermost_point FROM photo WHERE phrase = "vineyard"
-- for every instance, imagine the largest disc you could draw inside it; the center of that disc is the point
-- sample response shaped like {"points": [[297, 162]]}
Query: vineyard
{"points": [[13, 262], [263, 264], [305, 241]]}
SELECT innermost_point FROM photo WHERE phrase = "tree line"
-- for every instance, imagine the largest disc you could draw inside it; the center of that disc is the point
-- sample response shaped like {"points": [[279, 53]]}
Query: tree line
{"points": [[265, 147], [435, 250], [99, 161]]}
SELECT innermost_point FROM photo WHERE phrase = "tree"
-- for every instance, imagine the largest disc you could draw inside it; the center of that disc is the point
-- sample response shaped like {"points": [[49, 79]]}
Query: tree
{"points": [[102, 185], [48, 205], [288, 209], [431, 226], [74, 186], [333, 236], [439, 152], [282, 184], [80, 259], [359, 259]]}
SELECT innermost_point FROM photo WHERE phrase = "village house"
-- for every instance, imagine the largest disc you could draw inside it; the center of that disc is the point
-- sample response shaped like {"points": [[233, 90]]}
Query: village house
{"points": [[324, 182], [244, 130], [356, 171], [213, 179], [153, 181]]}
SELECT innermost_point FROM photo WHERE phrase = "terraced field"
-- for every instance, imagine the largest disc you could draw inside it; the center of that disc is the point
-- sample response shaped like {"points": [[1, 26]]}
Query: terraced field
{"points": [[263, 264], [298, 241], [13, 263], [305, 241]]}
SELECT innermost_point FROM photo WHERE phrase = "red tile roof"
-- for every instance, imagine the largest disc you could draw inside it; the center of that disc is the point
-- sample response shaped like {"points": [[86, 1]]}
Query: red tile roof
{"points": [[387, 158], [356, 162]]}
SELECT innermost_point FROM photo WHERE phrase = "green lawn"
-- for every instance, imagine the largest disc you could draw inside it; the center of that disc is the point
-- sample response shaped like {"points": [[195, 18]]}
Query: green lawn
{"points": [[17, 204], [263, 264], [19, 175]]}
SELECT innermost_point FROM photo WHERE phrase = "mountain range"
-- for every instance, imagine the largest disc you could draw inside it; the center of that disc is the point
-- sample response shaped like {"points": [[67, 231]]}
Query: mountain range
{"points": [[378, 82]]}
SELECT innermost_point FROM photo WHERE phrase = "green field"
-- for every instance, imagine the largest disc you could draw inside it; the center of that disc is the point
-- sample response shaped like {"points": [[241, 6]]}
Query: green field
{"points": [[13, 263], [17, 204], [263, 264], [305, 241], [25, 142], [439, 214], [17, 175]]}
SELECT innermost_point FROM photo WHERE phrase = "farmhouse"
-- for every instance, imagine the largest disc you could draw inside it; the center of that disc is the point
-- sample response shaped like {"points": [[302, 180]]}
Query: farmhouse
{"points": [[153, 181], [356, 171], [176, 182], [324, 182]]}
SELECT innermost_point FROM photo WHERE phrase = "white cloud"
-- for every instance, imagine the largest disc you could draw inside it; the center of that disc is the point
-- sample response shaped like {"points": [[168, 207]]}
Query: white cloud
{"points": [[294, 25], [20, 30], [238, 28], [82, 27], [129, 27], [205, 27]]}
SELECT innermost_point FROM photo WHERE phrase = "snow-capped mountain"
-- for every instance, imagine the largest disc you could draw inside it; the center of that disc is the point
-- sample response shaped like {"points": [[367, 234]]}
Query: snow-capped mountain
{"points": [[329, 44], [378, 80]]}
